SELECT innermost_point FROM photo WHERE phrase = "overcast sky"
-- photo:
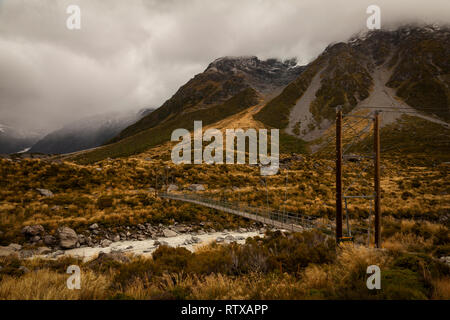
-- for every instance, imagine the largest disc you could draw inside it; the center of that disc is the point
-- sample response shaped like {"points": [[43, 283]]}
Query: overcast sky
{"points": [[131, 54]]}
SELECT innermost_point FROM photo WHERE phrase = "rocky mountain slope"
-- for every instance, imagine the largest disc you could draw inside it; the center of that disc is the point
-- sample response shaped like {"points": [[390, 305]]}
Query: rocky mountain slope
{"points": [[86, 133], [223, 79], [405, 69], [228, 86]]}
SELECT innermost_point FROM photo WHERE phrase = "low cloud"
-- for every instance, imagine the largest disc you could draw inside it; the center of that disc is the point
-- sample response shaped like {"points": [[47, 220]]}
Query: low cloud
{"points": [[135, 53]]}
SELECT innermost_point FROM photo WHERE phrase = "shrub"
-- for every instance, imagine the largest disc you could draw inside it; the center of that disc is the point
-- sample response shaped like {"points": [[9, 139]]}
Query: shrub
{"points": [[105, 202]]}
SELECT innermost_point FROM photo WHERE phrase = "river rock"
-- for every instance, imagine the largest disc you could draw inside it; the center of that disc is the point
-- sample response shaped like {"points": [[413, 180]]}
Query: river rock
{"points": [[93, 226], [220, 239], [67, 238], [24, 254], [15, 246], [196, 240], [172, 187], [43, 250], [6, 251], [105, 243], [158, 243], [57, 253], [169, 233]]}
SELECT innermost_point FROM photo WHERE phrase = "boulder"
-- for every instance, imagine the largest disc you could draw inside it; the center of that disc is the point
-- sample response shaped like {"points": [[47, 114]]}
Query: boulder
{"points": [[6, 251], [45, 192], [172, 187], [116, 238], [43, 250], [196, 187], [180, 228], [32, 231], [220, 239], [15, 246], [169, 233], [93, 226], [68, 238], [24, 269], [58, 253], [229, 238], [105, 243], [24, 254]]}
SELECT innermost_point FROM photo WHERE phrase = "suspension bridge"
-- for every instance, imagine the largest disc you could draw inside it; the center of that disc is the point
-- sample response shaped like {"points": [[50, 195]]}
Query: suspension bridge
{"points": [[279, 219]]}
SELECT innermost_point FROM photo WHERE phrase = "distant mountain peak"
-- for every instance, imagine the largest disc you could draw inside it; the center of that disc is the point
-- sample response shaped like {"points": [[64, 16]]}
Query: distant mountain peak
{"points": [[251, 64]]}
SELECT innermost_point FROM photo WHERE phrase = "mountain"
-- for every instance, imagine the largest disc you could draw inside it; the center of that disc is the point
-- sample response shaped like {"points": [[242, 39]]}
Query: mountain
{"points": [[13, 140], [227, 86], [223, 79], [86, 133], [403, 70]]}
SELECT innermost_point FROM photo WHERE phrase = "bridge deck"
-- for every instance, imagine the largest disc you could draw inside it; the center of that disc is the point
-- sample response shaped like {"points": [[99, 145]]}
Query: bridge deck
{"points": [[275, 219]]}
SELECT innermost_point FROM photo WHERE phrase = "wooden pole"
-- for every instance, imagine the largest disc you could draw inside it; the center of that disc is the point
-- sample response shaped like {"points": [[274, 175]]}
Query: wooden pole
{"points": [[338, 174], [377, 181]]}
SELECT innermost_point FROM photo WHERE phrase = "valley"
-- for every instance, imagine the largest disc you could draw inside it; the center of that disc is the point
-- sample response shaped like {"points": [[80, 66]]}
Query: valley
{"points": [[105, 207]]}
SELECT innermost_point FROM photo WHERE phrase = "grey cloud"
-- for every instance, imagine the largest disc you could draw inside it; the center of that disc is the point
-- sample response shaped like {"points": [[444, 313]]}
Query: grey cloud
{"points": [[136, 53]]}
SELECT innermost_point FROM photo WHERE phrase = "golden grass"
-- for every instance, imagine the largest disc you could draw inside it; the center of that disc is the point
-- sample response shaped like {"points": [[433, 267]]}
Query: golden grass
{"points": [[50, 285], [441, 289]]}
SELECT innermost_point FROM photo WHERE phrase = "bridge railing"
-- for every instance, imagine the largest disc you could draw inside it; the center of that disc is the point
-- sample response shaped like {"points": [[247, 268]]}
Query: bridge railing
{"points": [[286, 218]]}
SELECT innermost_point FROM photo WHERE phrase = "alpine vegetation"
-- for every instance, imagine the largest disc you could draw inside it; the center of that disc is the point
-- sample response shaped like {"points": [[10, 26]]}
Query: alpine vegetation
{"points": [[213, 153]]}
